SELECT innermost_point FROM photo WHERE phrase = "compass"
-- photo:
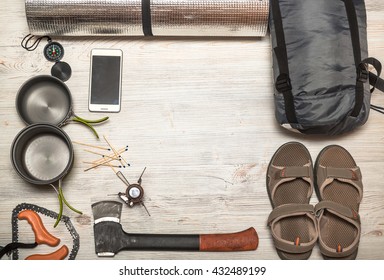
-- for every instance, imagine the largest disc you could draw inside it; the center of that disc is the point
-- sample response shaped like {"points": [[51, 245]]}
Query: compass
{"points": [[53, 51]]}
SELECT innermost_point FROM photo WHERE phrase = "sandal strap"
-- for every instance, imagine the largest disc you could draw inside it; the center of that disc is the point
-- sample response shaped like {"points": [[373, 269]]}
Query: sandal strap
{"points": [[352, 176], [344, 213], [345, 173], [291, 210], [288, 210], [295, 172], [281, 174], [340, 209]]}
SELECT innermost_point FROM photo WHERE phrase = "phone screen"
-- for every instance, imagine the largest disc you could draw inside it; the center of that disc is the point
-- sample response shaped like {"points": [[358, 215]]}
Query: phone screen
{"points": [[105, 82]]}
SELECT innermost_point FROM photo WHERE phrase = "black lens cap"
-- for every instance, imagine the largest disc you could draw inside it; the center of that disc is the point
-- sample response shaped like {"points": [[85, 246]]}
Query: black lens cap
{"points": [[61, 70]]}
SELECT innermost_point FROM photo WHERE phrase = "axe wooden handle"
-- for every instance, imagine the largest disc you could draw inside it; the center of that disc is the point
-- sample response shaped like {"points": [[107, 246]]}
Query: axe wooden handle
{"points": [[110, 238], [240, 241]]}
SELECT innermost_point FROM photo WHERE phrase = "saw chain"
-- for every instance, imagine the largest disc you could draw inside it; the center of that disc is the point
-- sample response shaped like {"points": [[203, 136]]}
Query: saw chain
{"points": [[25, 206]]}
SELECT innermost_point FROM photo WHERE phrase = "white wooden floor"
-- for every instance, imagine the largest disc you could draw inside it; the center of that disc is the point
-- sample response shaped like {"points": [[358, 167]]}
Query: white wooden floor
{"points": [[198, 113]]}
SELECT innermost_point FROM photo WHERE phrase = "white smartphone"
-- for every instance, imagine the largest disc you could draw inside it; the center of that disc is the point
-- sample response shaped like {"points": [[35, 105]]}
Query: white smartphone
{"points": [[105, 80]]}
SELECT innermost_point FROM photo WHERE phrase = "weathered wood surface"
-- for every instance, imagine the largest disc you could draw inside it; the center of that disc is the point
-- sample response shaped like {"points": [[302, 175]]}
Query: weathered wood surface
{"points": [[198, 113]]}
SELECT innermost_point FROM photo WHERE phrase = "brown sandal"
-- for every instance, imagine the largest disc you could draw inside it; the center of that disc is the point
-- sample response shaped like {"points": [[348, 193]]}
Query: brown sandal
{"points": [[290, 185], [340, 190]]}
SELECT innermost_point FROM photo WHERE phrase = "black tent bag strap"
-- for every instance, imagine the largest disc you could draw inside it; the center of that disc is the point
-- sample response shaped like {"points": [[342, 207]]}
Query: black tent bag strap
{"points": [[374, 79], [283, 82], [361, 70]]}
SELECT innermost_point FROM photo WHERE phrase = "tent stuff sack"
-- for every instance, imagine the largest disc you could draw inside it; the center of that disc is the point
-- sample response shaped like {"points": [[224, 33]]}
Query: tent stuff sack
{"points": [[320, 65], [148, 17]]}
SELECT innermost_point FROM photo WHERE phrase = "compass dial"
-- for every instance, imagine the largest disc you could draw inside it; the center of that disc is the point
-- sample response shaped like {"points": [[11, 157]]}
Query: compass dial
{"points": [[53, 51]]}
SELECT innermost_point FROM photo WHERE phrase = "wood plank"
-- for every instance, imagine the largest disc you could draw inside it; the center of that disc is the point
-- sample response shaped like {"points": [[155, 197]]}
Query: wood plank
{"points": [[199, 114]]}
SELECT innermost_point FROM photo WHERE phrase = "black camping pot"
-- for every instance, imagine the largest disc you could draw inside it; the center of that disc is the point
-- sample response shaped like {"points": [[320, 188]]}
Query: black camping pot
{"points": [[47, 99], [44, 99], [42, 154]]}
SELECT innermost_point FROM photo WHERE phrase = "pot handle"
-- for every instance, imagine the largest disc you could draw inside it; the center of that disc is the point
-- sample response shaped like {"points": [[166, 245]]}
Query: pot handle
{"points": [[89, 123], [62, 201]]}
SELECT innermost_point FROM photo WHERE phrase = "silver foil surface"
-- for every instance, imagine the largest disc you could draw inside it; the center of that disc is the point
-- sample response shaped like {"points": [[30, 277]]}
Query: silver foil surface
{"points": [[168, 17]]}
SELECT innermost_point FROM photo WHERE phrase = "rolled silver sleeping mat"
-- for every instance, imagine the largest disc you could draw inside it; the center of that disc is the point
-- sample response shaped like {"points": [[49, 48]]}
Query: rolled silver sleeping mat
{"points": [[248, 18]]}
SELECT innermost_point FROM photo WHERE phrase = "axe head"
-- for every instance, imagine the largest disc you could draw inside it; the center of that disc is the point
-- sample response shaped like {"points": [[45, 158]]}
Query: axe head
{"points": [[107, 211], [107, 227]]}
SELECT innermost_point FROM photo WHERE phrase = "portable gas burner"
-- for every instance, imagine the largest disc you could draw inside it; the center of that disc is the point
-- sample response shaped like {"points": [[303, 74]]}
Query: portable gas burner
{"points": [[134, 193]]}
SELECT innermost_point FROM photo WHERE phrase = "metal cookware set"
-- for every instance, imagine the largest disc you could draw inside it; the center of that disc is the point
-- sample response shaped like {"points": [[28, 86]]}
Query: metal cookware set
{"points": [[42, 153]]}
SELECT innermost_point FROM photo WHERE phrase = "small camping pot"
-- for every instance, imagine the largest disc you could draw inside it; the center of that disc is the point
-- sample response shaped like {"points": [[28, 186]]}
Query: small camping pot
{"points": [[42, 154], [44, 99]]}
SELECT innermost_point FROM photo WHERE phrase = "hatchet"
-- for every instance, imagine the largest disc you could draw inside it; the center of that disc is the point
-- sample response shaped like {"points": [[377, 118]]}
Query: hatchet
{"points": [[110, 238]]}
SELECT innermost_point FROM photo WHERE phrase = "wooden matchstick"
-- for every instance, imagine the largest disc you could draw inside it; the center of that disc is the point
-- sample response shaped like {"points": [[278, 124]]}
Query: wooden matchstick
{"points": [[92, 146], [116, 153], [104, 164], [100, 154], [104, 161], [97, 165], [112, 156]]}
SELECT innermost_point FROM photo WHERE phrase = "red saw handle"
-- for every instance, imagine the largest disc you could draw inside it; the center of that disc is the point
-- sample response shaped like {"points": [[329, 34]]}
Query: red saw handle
{"points": [[59, 254], [240, 241], [42, 236]]}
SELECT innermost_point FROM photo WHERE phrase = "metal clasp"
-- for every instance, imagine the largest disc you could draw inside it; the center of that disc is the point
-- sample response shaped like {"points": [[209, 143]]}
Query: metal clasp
{"points": [[283, 83], [362, 73]]}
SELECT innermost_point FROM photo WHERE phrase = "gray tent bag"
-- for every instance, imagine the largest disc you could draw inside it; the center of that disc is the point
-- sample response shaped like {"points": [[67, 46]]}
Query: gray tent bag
{"points": [[320, 65]]}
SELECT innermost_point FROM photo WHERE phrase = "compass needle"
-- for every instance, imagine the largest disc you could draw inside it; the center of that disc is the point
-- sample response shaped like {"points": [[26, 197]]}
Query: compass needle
{"points": [[53, 51]]}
